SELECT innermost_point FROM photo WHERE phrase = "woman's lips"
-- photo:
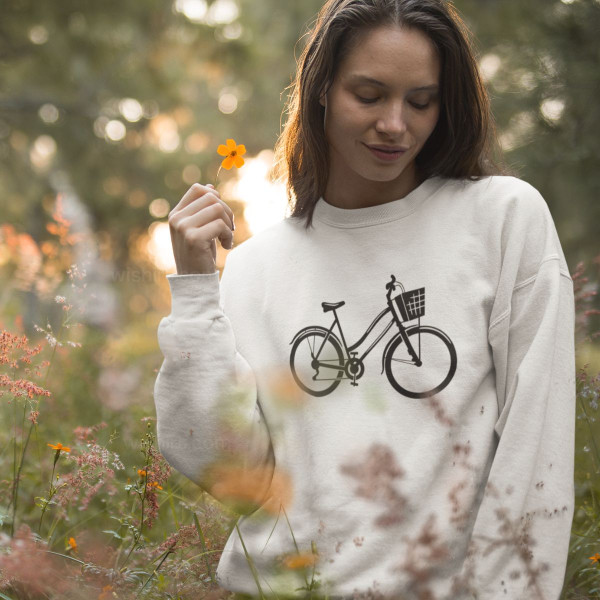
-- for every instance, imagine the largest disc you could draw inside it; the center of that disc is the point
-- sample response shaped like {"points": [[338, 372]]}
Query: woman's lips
{"points": [[387, 156]]}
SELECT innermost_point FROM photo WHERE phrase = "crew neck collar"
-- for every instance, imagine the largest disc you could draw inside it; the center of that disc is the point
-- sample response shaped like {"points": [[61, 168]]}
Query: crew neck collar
{"points": [[380, 213]]}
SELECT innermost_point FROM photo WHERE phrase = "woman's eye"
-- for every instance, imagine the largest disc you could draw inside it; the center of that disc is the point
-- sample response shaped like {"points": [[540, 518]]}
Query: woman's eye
{"points": [[366, 100], [371, 100]]}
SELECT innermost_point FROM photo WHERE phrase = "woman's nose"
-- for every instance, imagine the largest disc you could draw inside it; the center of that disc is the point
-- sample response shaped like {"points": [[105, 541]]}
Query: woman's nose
{"points": [[392, 120]]}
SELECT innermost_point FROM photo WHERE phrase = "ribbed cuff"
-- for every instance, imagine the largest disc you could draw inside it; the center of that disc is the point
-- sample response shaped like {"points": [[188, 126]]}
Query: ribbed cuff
{"points": [[194, 294]]}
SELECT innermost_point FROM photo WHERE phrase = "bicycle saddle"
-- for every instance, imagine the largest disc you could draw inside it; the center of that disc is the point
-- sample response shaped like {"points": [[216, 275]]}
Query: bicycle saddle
{"points": [[327, 306]]}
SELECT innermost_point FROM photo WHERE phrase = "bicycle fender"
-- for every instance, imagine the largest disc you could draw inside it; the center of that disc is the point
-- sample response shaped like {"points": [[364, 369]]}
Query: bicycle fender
{"points": [[315, 328]]}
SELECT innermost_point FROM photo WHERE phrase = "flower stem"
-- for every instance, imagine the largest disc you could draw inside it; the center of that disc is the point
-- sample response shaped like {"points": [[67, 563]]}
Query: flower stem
{"points": [[250, 564], [50, 494], [217, 177], [205, 551]]}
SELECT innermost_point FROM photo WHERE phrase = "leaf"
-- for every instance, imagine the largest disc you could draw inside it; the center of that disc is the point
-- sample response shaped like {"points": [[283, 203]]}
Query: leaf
{"points": [[113, 533]]}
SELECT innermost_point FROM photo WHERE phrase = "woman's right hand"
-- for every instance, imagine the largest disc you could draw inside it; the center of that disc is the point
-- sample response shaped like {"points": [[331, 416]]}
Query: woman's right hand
{"points": [[199, 218]]}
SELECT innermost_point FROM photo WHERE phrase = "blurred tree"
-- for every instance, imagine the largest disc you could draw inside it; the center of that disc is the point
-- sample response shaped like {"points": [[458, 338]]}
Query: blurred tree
{"points": [[541, 60], [128, 101]]}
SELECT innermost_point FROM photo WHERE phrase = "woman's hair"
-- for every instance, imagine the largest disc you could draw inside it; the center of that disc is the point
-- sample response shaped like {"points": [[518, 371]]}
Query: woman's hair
{"points": [[464, 139]]}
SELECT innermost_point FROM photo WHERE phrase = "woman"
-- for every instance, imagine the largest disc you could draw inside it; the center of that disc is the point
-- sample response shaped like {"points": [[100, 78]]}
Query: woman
{"points": [[384, 382]]}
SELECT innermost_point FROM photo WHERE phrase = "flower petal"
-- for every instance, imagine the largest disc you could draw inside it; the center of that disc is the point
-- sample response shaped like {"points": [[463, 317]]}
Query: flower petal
{"points": [[231, 143], [227, 163], [238, 161], [223, 150], [241, 149]]}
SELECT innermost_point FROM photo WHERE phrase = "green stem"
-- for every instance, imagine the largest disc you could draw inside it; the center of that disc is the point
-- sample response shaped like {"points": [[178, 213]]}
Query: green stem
{"points": [[204, 549], [120, 550], [250, 564], [138, 534], [17, 479], [154, 572], [172, 505], [81, 562], [295, 544], [50, 494]]}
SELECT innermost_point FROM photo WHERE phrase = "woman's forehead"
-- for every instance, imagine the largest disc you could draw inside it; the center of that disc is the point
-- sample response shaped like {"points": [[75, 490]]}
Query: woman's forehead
{"points": [[391, 54]]}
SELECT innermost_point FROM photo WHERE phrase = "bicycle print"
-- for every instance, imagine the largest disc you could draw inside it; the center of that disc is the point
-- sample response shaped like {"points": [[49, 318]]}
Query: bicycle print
{"points": [[419, 360]]}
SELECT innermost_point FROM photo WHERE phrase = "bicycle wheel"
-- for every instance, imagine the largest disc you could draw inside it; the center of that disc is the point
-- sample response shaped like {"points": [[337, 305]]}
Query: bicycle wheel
{"points": [[314, 363], [437, 354]]}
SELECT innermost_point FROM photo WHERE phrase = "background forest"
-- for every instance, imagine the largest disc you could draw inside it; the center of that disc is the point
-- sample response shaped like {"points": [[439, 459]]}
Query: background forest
{"points": [[109, 111]]}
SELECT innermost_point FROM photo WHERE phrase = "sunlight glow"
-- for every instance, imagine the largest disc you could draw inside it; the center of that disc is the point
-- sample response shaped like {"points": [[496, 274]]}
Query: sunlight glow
{"points": [[489, 65], [552, 109], [265, 201], [159, 246], [198, 11]]}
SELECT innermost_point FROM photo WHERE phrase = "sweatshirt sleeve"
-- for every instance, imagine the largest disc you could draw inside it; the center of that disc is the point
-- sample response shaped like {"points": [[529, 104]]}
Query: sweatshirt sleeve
{"points": [[210, 426], [520, 539]]}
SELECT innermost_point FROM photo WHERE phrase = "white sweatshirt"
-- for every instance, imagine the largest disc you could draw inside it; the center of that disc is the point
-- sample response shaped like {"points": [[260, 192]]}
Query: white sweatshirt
{"points": [[447, 472]]}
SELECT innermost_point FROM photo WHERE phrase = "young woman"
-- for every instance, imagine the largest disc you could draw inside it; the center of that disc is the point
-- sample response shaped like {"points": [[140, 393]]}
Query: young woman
{"points": [[383, 383]]}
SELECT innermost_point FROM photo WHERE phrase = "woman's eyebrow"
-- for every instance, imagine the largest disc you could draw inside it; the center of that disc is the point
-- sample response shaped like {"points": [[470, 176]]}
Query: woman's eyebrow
{"points": [[366, 79]]}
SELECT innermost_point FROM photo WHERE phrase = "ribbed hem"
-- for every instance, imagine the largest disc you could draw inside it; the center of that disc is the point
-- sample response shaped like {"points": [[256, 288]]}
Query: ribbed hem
{"points": [[193, 294], [381, 213]]}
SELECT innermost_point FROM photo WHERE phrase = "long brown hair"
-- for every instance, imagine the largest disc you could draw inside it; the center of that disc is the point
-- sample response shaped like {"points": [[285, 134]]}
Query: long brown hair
{"points": [[464, 140]]}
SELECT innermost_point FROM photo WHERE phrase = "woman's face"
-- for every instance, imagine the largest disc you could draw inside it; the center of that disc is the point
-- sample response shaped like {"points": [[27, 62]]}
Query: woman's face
{"points": [[395, 112]]}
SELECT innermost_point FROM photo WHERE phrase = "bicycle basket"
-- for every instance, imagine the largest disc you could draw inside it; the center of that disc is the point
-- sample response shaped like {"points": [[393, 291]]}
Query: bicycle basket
{"points": [[411, 304]]}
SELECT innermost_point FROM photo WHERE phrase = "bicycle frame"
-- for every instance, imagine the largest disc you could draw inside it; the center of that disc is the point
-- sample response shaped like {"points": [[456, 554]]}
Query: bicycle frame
{"points": [[350, 349]]}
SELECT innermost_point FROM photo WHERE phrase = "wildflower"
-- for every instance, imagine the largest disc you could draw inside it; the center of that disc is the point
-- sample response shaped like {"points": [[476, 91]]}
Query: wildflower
{"points": [[300, 561], [141, 473], [105, 594], [155, 484], [71, 544], [237, 484], [61, 226], [595, 558], [233, 154], [58, 447], [95, 470]]}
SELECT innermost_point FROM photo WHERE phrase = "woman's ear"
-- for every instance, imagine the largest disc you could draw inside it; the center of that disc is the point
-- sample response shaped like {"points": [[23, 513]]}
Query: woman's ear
{"points": [[323, 97]]}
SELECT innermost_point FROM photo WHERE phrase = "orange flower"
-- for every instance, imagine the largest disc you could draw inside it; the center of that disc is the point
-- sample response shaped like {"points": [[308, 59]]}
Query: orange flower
{"points": [[106, 592], [72, 545], [233, 154], [595, 558], [60, 447], [300, 561], [246, 486], [155, 484], [141, 473]]}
